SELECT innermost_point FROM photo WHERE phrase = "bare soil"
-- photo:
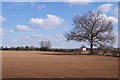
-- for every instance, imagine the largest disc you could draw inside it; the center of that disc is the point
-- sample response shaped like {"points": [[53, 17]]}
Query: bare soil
{"points": [[35, 64]]}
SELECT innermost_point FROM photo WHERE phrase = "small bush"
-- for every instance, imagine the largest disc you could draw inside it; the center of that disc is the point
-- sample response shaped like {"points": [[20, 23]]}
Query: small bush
{"points": [[116, 55]]}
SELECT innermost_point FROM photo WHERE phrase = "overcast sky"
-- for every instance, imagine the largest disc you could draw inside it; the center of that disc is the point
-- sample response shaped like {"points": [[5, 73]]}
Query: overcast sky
{"points": [[27, 23]]}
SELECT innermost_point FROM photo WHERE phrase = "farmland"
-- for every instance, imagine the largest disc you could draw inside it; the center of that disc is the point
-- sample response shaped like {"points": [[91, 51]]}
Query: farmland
{"points": [[36, 64]]}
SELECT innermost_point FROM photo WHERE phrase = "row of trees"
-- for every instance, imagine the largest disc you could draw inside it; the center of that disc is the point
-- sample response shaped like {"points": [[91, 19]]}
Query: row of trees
{"points": [[32, 48], [20, 48], [76, 51], [44, 46]]}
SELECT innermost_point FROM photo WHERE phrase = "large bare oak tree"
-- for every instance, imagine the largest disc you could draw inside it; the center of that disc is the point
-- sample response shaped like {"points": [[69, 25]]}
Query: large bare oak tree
{"points": [[94, 28]]}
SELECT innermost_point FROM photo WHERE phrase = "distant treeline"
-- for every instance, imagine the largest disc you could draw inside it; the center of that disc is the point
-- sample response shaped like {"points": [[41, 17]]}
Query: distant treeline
{"points": [[32, 48], [107, 52], [20, 48]]}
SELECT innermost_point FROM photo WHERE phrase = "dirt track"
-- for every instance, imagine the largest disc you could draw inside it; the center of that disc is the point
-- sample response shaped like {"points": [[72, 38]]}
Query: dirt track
{"points": [[32, 64]]}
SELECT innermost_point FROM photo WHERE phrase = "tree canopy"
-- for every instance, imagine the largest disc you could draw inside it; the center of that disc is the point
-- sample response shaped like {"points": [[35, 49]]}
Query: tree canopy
{"points": [[92, 27]]}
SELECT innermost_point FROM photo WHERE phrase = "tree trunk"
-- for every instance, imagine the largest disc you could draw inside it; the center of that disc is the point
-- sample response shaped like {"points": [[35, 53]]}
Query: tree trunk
{"points": [[91, 48], [91, 41]]}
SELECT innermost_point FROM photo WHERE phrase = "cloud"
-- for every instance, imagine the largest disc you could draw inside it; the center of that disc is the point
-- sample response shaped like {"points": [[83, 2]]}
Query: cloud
{"points": [[2, 31], [59, 36], [115, 11], [36, 35], [14, 40], [12, 30], [114, 19], [51, 21], [26, 39], [111, 18], [2, 19], [22, 28], [105, 7]]}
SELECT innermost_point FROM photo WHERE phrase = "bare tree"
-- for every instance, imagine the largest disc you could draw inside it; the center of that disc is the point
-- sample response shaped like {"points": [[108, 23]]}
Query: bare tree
{"points": [[45, 44], [94, 28]]}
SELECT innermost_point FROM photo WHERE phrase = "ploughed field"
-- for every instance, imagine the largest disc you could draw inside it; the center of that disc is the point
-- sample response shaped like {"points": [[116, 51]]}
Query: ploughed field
{"points": [[36, 64]]}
